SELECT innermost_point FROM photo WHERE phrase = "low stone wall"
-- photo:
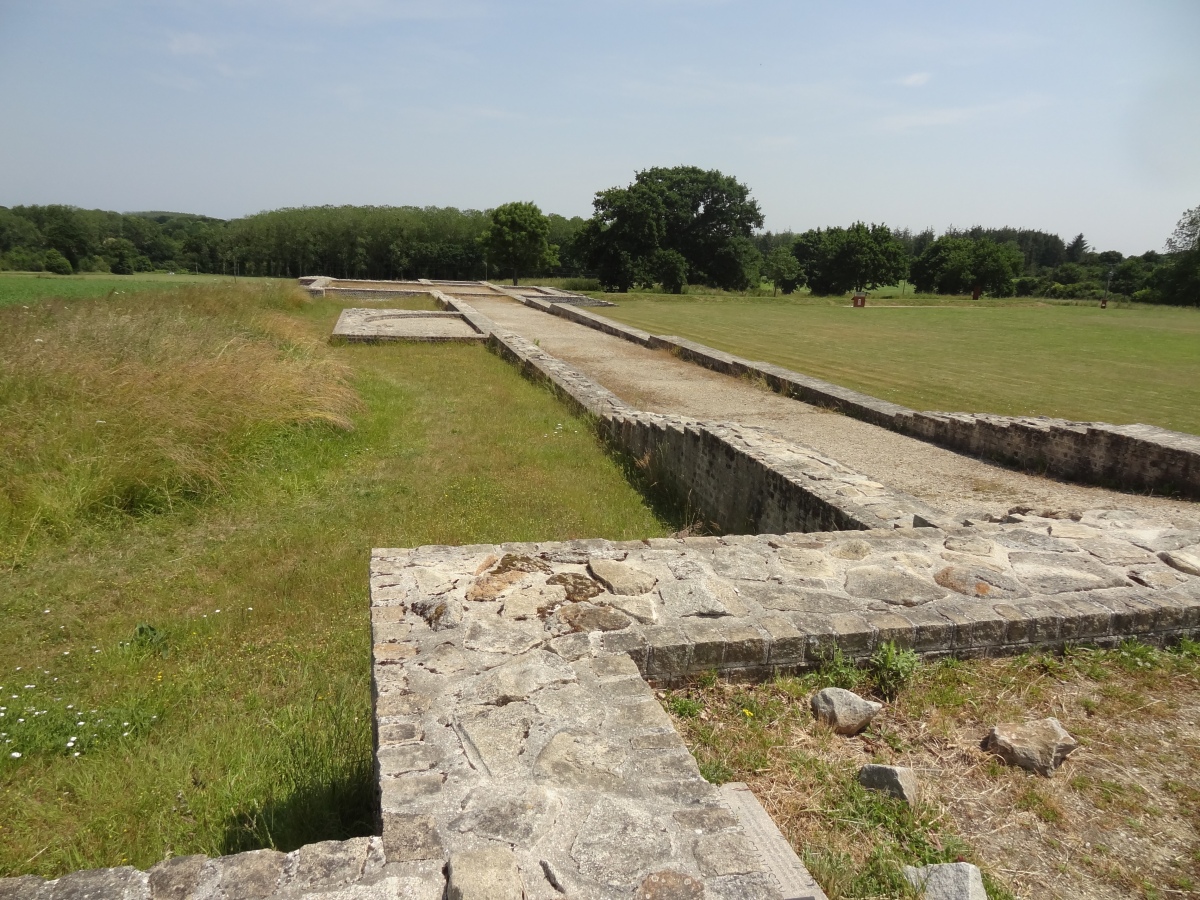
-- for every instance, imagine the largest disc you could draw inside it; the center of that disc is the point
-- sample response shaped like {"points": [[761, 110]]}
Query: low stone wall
{"points": [[332, 870], [532, 763], [517, 733], [1137, 457], [738, 479]]}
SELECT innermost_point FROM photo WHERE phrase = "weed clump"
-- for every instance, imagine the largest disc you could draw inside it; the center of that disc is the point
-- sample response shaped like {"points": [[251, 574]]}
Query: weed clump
{"points": [[893, 668]]}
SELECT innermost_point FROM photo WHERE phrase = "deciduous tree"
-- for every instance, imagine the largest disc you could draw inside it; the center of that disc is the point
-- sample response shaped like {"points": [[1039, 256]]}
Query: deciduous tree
{"points": [[783, 269], [705, 217], [857, 258], [518, 239], [958, 265]]}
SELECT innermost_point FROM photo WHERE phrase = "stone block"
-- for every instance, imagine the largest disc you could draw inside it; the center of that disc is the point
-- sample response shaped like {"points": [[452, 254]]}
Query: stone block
{"points": [[408, 836], [636, 716], [408, 791], [522, 676], [1189, 609], [485, 874], [977, 626], [399, 733], [251, 876], [708, 644], [572, 647], [617, 841], [1015, 624], [745, 644], [174, 879], [819, 635], [890, 627], [670, 652], [519, 814], [788, 647], [403, 704], [1043, 621], [615, 665], [390, 632], [947, 881], [931, 630], [852, 634], [632, 642], [404, 758], [656, 740], [1084, 619], [725, 854], [123, 883], [896, 781], [26, 887], [330, 864], [388, 615], [706, 819], [1145, 613], [577, 758]]}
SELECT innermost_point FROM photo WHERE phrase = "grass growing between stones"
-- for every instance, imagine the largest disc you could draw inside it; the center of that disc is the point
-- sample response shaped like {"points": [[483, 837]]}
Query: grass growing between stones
{"points": [[1011, 357], [191, 675], [1119, 819]]}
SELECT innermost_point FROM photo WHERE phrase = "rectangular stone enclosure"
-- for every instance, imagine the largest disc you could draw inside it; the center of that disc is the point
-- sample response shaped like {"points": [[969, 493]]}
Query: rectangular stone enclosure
{"points": [[375, 325]]}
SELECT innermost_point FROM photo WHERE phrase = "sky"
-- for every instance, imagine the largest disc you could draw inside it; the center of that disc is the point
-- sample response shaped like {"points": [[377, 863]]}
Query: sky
{"points": [[1061, 115]]}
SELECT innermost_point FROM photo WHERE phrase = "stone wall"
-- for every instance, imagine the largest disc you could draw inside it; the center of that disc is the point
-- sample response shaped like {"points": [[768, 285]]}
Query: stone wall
{"points": [[1137, 457], [331, 870], [738, 479], [517, 733]]}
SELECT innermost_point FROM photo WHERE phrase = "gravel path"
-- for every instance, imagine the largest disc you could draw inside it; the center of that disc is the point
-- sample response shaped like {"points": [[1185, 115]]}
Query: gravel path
{"points": [[962, 485]]}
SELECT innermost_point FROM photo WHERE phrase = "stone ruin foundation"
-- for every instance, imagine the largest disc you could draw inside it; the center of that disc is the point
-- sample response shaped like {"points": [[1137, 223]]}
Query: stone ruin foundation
{"points": [[520, 751]]}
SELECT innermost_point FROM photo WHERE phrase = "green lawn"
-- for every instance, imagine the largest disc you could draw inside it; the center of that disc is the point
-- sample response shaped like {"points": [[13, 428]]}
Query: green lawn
{"points": [[1121, 365], [209, 663]]}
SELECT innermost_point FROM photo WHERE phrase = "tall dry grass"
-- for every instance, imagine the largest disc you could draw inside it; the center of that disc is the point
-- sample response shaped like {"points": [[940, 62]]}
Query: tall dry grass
{"points": [[130, 405]]}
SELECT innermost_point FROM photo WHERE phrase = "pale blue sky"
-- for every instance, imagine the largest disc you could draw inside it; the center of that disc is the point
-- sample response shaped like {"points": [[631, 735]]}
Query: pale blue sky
{"points": [[1063, 115]]}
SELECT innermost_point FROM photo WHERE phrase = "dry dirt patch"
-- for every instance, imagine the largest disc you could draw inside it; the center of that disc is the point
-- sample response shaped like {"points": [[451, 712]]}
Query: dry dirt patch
{"points": [[1121, 818]]}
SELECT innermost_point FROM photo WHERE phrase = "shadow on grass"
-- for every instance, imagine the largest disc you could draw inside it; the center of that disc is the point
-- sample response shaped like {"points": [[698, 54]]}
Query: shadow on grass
{"points": [[661, 490], [335, 811]]}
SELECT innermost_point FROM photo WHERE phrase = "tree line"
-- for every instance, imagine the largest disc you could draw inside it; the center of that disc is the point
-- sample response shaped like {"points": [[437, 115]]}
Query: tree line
{"points": [[670, 227], [373, 242]]}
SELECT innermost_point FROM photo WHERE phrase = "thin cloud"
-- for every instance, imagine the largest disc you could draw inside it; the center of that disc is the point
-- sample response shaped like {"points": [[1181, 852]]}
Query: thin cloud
{"points": [[916, 79]]}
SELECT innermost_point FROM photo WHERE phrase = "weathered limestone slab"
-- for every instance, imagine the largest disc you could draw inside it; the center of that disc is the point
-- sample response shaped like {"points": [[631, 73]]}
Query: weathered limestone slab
{"points": [[373, 325]]}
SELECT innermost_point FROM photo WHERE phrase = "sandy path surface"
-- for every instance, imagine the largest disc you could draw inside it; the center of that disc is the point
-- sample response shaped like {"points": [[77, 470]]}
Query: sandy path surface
{"points": [[961, 485]]}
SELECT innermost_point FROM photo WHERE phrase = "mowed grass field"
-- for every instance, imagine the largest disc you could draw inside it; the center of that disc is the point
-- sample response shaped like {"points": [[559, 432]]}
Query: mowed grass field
{"points": [[31, 287], [1120, 365], [191, 482]]}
